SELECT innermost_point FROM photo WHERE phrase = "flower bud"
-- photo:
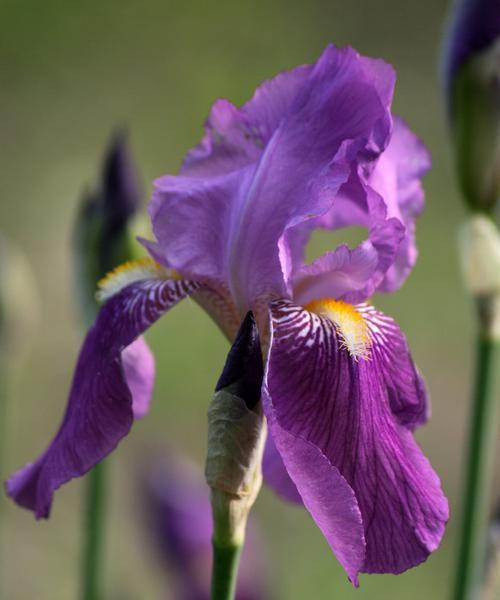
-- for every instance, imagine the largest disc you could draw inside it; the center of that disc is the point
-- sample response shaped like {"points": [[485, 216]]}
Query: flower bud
{"points": [[236, 437], [480, 257], [103, 235], [472, 80]]}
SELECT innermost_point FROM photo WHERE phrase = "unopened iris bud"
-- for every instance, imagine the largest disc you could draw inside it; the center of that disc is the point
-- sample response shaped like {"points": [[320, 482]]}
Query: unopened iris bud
{"points": [[480, 257], [18, 303], [103, 236], [236, 436], [472, 78]]}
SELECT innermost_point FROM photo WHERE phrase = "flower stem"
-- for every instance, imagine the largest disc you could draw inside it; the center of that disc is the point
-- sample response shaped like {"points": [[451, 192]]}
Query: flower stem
{"points": [[93, 533], [224, 571], [472, 542]]}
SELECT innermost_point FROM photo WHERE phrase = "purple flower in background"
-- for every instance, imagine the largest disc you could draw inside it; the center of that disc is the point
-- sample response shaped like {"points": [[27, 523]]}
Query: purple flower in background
{"points": [[316, 147], [179, 518]]}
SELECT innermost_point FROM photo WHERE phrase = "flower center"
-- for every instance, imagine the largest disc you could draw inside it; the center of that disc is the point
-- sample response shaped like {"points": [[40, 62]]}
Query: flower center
{"points": [[350, 325]]}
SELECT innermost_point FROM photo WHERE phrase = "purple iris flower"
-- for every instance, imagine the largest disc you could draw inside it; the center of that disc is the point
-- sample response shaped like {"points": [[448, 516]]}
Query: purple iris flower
{"points": [[179, 517], [316, 147]]}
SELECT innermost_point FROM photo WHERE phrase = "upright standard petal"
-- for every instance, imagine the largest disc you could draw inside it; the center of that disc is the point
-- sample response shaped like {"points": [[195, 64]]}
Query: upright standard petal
{"points": [[101, 406], [263, 169], [331, 383], [236, 137], [338, 116]]}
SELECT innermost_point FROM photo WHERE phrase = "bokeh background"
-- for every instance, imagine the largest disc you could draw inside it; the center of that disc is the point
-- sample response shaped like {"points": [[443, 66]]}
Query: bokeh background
{"points": [[70, 72]]}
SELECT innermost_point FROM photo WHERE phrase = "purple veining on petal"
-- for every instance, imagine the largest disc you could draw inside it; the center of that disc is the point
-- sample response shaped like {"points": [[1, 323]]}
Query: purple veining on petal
{"points": [[406, 390], [100, 406], [276, 475], [355, 413], [324, 492]]}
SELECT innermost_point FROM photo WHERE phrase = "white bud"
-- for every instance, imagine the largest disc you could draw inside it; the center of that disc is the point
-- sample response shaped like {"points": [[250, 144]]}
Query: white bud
{"points": [[480, 256]]}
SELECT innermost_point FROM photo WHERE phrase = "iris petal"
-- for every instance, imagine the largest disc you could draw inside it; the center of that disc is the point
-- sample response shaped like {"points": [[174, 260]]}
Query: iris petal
{"points": [[265, 168], [357, 413], [338, 116], [325, 493], [348, 274], [398, 179], [100, 409], [139, 369]]}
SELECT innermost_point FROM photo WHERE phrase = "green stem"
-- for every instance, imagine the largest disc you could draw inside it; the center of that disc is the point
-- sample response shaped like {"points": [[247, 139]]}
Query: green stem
{"points": [[472, 543], [93, 534], [224, 571]]}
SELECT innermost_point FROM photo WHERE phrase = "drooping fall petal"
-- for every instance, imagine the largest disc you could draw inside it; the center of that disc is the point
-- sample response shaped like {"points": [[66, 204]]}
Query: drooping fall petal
{"points": [[100, 409], [354, 414]]}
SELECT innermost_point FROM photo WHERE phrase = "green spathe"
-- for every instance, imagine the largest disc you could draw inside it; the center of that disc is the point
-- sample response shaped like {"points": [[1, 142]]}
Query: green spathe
{"points": [[476, 129]]}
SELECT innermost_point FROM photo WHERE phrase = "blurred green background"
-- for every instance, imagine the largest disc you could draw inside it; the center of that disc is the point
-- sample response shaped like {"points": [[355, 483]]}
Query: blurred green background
{"points": [[70, 72]]}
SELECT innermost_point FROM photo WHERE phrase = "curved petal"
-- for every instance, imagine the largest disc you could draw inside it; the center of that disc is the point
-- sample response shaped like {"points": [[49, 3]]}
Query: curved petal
{"points": [[337, 117], [343, 407], [192, 221], [236, 137], [324, 492], [347, 274], [389, 192], [100, 406], [397, 178], [405, 386], [276, 475]]}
